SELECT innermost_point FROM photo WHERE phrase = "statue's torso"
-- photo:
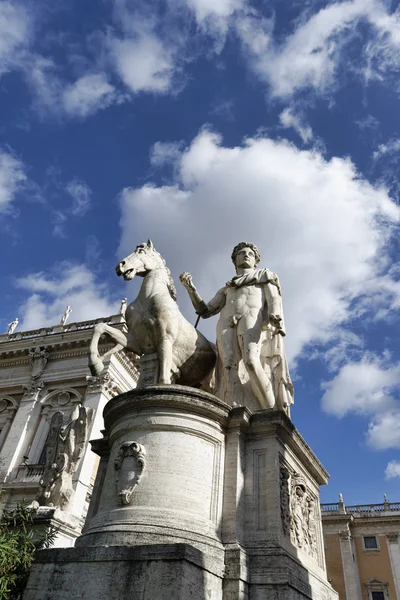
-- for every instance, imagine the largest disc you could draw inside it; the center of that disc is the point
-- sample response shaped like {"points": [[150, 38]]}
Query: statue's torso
{"points": [[245, 300]]}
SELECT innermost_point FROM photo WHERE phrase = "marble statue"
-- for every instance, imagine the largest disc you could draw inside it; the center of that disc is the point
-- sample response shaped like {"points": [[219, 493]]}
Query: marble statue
{"points": [[250, 330], [65, 316], [122, 309], [64, 448], [12, 326], [156, 326]]}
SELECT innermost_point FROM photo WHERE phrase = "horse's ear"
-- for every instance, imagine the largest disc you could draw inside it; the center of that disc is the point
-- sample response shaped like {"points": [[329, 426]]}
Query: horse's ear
{"points": [[150, 244]]}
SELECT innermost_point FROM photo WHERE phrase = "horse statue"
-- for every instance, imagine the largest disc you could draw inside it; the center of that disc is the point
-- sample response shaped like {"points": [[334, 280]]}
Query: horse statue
{"points": [[156, 325]]}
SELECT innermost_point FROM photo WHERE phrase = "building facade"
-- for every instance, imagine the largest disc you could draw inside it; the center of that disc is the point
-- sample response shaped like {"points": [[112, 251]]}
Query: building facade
{"points": [[362, 550], [44, 379]]}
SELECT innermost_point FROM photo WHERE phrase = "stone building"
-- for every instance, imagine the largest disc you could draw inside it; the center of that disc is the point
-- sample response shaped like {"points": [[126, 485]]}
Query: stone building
{"points": [[362, 550], [44, 377]]}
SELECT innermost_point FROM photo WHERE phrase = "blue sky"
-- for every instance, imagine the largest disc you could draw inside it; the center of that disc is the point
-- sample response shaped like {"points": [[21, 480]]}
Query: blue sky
{"points": [[199, 124]]}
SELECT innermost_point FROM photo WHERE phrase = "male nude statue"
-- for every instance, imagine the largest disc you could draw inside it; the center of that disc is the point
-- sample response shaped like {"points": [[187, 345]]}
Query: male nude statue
{"points": [[251, 328]]}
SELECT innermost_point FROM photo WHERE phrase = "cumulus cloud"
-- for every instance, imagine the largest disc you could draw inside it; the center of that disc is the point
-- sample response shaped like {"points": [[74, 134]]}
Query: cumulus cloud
{"points": [[12, 178], [49, 294], [393, 469], [318, 224], [384, 430], [368, 387], [87, 95], [364, 387], [144, 63]]}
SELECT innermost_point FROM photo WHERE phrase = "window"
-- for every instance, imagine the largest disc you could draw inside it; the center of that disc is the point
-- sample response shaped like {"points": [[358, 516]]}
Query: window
{"points": [[370, 543], [377, 590]]}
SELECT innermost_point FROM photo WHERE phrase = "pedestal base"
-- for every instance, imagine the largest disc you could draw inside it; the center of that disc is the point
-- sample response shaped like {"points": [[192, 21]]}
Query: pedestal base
{"points": [[154, 572], [194, 499]]}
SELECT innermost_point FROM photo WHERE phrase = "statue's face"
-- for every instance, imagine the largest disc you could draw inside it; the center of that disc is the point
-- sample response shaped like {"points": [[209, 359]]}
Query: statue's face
{"points": [[245, 259]]}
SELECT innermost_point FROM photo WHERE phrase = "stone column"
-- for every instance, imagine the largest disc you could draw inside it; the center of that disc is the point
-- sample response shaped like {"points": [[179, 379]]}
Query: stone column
{"points": [[394, 553], [350, 569], [23, 424], [99, 391], [236, 572], [7, 426]]}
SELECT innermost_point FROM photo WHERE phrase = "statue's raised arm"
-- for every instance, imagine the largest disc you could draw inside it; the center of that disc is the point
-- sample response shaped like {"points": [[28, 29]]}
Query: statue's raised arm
{"points": [[203, 309]]}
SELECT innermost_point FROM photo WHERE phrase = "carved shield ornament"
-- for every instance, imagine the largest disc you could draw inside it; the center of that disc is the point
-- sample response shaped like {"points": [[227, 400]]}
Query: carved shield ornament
{"points": [[38, 358], [129, 465]]}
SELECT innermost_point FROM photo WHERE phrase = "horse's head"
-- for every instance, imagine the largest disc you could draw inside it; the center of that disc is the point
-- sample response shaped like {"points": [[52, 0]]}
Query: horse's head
{"points": [[144, 259]]}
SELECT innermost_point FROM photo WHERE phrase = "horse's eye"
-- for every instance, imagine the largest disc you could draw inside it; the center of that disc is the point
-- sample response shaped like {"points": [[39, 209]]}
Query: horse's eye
{"points": [[140, 250]]}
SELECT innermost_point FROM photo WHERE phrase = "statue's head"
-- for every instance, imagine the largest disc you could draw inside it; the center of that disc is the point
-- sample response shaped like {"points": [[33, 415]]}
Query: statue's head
{"points": [[141, 261], [245, 254]]}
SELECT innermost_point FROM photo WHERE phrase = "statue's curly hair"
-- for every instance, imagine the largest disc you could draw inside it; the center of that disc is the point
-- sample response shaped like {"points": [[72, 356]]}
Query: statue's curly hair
{"points": [[241, 245]]}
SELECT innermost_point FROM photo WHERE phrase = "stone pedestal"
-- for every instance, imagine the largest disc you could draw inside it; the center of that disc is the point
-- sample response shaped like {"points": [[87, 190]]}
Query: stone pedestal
{"points": [[194, 499]]}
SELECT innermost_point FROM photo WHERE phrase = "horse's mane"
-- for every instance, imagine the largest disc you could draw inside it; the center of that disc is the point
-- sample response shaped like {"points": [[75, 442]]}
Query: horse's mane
{"points": [[171, 286]]}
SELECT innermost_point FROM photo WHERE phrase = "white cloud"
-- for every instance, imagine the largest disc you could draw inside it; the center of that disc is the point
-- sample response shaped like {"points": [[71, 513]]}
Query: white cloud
{"points": [[289, 119], [365, 387], [384, 430], [391, 147], [318, 224], [309, 57], [393, 469], [49, 294], [144, 63], [12, 177], [89, 94], [15, 33], [81, 195]]}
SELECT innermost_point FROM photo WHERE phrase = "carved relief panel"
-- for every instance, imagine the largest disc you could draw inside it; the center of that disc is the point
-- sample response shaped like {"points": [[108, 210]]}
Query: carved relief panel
{"points": [[299, 512], [129, 465]]}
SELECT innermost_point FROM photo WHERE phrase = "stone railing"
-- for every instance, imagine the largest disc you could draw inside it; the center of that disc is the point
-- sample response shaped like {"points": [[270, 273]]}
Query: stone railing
{"points": [[44, 331], [360, 509], [29, 473]]}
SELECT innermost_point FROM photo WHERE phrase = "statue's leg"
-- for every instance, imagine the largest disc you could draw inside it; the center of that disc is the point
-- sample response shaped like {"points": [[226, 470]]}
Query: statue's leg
{"points": [[248, 337], [229, 353], [121, 339]]}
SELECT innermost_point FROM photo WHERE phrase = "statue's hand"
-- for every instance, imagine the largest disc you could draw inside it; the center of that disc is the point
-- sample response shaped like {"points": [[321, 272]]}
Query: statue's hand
{"points": [[276, 320], [186, 280]]}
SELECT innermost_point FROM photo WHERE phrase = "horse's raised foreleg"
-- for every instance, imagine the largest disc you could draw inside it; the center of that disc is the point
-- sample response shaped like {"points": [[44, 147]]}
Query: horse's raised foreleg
{"points": [[121, 339]]}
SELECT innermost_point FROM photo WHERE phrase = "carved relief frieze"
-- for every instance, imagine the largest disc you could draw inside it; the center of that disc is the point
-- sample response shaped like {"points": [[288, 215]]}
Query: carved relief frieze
{"points": [[284, 475], [65, 446], [299, 514], [392, 537], [129, 466]]}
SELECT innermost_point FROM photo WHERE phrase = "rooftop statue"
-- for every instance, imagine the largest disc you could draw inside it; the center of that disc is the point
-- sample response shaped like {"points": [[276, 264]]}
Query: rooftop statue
{"points": [[250, 330], [12, 326], [65, 316], [156, 326]]}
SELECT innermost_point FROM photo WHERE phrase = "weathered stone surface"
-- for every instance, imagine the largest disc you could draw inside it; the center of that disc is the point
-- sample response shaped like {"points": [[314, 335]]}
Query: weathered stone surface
{"points": [[153, 572]]}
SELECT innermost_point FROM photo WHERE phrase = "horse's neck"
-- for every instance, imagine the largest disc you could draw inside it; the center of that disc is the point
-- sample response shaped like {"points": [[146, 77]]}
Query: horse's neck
{"points": [[154, 282]]}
